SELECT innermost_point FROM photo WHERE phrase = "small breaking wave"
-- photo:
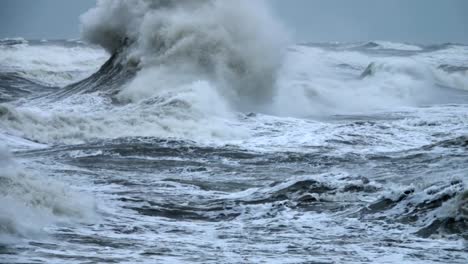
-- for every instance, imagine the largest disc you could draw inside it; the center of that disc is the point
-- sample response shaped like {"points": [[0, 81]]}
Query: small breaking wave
{"points": [[13, 41], [386, 45], [436, 209], [175, 115], [454, 78], [312, 83], [29, 203], [453, 68]]}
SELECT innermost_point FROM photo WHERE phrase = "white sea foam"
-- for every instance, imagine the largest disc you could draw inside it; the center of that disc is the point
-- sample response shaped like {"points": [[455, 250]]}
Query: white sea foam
{"points": [[82, 118], [314, 81], [30, 203], [53, 64], [396, 46]]}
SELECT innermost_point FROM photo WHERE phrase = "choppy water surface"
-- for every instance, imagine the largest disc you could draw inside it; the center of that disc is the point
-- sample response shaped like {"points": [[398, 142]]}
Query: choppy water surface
{"points": [[359, 156]]}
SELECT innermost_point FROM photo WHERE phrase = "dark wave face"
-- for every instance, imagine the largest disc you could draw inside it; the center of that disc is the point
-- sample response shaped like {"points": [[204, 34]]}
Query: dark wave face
{"points": [[191, 132], [14, 87]]}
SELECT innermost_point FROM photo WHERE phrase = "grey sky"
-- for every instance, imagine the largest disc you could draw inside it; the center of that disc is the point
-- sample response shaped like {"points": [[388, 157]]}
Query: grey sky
{"points": [[422, 21]]}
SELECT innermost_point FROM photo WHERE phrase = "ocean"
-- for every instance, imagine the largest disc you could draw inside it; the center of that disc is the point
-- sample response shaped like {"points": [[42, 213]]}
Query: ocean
{"points": [[168, 138]]}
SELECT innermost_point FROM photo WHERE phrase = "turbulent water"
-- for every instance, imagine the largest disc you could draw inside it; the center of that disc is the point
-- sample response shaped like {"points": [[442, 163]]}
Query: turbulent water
{"points": [[195, 133]]}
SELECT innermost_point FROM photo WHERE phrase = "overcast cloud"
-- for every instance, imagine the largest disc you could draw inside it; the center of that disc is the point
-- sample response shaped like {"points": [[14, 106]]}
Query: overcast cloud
{"points": [[421, 21]]}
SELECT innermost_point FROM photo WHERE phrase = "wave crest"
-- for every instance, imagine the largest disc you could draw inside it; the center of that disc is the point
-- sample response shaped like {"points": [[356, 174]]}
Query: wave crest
{"points": [[236, 45]]}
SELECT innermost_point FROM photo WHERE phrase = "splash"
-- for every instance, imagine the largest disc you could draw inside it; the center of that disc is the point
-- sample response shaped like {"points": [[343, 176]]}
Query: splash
{"points": [[236, 45]]}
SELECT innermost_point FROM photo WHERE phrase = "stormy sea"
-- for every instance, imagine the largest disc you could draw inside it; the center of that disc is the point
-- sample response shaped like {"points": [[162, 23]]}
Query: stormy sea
{"points": [[196, 132]]}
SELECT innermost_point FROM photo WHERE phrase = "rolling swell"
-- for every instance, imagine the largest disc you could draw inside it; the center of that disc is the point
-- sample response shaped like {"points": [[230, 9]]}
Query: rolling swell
{"points": [[13, 87]]}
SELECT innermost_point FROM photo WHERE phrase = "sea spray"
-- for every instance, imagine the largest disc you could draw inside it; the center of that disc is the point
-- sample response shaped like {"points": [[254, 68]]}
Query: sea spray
{"points": [[238, 46]]}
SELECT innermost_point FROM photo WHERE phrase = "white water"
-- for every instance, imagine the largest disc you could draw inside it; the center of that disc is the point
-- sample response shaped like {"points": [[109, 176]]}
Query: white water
{"points": [[31, 201], [310, 83], [235, 46], [199, 75], [51, 64]]}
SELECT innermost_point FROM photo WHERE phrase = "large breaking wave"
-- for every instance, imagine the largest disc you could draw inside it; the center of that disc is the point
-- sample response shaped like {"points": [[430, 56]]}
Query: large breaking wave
{"points": [[237, 50], [186, 68], [236, 46], [177, 69]]}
